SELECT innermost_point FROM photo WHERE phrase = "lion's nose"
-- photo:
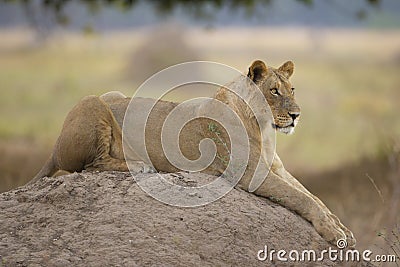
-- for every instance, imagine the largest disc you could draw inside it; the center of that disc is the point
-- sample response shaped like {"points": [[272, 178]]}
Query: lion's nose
{"points": [[294, 115]]}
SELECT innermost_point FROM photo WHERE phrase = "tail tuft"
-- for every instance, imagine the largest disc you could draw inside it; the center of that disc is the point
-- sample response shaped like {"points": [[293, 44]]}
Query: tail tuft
{"points": [[48, 169]]}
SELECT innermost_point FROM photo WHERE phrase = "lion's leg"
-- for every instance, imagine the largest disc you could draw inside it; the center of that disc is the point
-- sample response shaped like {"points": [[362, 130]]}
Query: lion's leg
{"points": [[116, 151], [282, 172], [350, 237], [283, 192], [104, 161], [109, 154]]}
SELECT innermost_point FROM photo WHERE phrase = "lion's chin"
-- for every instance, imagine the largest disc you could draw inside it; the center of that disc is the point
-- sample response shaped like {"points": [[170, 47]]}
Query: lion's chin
{"points": [[286, 130]]}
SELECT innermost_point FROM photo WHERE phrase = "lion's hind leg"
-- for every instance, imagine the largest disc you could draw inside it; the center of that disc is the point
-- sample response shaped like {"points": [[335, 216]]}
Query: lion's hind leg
{"points": [[109, 154], [103, 161]]}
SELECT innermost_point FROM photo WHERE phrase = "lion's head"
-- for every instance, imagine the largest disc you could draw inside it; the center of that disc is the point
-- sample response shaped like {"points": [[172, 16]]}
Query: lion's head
{"points": [[279, 92]]}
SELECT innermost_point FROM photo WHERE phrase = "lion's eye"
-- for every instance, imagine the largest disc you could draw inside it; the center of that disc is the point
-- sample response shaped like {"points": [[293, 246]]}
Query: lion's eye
{"points": [[292, 90], [274, 91]]}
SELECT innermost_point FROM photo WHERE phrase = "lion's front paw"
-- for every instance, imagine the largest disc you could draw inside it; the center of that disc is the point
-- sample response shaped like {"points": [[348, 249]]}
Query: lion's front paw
{"points": [[330, 231], [350, 239], [333, 231]]}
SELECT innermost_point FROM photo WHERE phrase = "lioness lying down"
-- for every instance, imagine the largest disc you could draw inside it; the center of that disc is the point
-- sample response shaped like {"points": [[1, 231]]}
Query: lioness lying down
{"points": [[91, 139]]}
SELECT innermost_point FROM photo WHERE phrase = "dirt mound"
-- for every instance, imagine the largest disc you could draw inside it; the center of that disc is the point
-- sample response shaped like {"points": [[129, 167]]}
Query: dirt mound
{"points": [[103, 219]]}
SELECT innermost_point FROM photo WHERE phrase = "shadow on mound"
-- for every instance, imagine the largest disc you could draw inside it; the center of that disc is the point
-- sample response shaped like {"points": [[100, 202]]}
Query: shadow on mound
{"points": [[101, 219]]}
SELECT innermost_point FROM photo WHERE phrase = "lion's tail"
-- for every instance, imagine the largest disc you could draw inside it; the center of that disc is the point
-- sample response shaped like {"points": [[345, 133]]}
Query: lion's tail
{"points": [[48, 169]]}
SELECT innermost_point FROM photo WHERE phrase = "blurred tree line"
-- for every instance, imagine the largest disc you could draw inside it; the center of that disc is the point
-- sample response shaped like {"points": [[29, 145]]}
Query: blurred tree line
{"points": [[198, 8], [44, 16]]}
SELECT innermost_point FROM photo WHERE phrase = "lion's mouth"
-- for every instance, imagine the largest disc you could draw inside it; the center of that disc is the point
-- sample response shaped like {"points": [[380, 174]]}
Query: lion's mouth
{"points": [[288, 129]]}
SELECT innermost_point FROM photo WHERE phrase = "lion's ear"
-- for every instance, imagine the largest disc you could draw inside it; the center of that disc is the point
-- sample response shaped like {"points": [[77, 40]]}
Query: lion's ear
{"points": [[257, 71], [287, 68]]}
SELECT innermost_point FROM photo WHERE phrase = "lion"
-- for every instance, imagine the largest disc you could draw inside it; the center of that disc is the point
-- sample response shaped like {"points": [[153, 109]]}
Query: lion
{"points": [[91, 139]]}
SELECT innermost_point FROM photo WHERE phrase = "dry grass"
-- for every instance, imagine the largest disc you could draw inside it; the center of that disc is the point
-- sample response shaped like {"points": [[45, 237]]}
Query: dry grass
{"points": [[348, 192], [20, 160]]}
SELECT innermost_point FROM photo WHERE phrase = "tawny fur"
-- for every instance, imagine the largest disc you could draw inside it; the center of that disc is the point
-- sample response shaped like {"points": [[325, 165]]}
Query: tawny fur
{"points": [[91, 139]]}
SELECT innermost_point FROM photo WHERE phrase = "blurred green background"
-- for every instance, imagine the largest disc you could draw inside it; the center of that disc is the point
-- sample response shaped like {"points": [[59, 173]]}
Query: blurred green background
{"points": [[347, 56]]}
